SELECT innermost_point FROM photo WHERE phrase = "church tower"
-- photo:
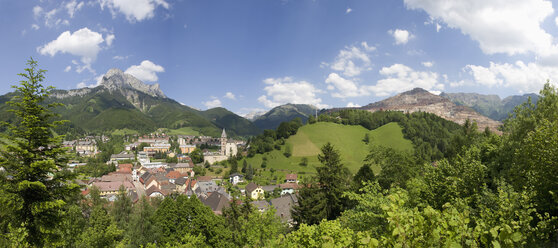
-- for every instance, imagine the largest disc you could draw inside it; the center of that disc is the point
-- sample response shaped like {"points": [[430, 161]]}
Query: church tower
{"points": [[223, 142]]}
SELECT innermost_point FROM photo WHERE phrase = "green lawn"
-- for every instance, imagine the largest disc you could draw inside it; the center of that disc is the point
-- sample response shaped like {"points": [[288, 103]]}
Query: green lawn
{"points": [[124, 131], [184, 131], [347, 139]]}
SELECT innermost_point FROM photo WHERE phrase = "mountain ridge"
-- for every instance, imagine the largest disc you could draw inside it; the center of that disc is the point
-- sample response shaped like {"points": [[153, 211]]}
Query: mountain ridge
{"points": [[421, 100]]}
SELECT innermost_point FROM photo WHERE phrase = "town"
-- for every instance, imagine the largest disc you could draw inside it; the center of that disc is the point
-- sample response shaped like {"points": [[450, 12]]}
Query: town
{"points": [[139, 171]]}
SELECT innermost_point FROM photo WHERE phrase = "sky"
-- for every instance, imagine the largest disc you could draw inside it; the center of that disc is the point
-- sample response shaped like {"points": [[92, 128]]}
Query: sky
{"points": [[252, 55]]}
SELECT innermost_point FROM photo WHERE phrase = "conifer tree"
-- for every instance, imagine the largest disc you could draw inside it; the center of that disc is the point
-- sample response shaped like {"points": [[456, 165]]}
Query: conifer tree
{"points": [[35, 184]]}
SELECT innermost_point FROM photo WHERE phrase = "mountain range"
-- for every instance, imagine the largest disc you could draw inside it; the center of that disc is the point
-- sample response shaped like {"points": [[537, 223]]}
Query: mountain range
{"points": [[121, 101], [421, 100], [490, 105]]}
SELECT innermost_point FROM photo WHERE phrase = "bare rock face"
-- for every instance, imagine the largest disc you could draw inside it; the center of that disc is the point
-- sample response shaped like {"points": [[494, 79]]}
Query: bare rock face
{"points": [[115, 79], [421, 100]]}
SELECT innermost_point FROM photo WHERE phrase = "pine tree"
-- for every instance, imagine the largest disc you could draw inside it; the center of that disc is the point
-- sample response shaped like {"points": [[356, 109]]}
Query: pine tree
{"points": [[323, 197], [35, 185]]}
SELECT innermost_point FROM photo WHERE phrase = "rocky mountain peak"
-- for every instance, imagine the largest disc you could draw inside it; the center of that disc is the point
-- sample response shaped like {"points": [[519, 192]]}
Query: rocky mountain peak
{"points": [[421, 100], [116, 79]]}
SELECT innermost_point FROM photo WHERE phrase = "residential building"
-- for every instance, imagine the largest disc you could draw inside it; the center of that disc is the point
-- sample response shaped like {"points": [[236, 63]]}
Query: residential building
{"points": [[291, 178], [283, 206], [254, 191], [288, 188], [235, 178]]}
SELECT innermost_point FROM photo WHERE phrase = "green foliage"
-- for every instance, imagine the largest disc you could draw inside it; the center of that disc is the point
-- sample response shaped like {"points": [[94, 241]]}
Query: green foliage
{"points": [[323, 198], [197, 156], [503, 218], [95, 167], [122, 208], [35, 185], [327, 234], [288, 150], [397, 167], [141, 229], [177, 218], [101, 231]]}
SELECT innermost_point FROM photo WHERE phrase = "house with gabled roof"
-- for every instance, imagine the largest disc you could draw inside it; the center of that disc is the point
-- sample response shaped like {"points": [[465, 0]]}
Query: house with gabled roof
{"points": [[283, 206], [216, 201], [254, 191], [236, 178], [291, 178]]}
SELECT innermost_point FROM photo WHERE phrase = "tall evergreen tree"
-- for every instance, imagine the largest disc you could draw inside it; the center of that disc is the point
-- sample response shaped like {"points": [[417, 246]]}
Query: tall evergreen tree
{"points": [[323, 197], [35, 185]]}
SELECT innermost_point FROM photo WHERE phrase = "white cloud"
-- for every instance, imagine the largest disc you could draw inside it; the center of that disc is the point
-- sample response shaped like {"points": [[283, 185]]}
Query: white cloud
{"points": [[212, 103], [353, 105], [97, 82], [284, 90], [50, 18], [146, 71], [344, 88], [68, 68], [399, 78], [118, 57], [37, 11], [556, 21], [83, 43], [134, 10], [499, 26], [401, 36], [72, 7], [353, 60], [427, 64], [35, 26], [523, 77], [349, 10], [230, 95], [109, 38]]}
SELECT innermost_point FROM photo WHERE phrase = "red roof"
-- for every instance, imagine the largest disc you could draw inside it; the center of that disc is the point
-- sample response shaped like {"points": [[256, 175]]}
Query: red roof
{"points": [[204, 178], [289, 186], [291, 176], [174, 175]]}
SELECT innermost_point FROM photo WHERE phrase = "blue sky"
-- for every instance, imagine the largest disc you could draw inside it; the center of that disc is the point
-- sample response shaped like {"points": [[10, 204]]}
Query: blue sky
{"points": [[253, 55]]}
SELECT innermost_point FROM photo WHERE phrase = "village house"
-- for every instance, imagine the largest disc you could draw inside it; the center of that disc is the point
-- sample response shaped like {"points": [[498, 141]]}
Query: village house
{"points": [[112, 187], [157, 147], [121, 156], [254, 191], [86, 147], [262, 206], [236, 178], [291, 178], [288, 188], [186, 167], [185, 149], [283, 206], [217, 201]]}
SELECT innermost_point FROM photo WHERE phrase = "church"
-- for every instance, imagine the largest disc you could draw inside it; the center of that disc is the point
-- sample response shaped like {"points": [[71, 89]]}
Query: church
{"points": [[228, 149]]}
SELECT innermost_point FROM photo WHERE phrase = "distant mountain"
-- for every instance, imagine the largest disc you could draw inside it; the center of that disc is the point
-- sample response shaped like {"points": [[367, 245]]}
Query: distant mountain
{"points": [[421, 100], [230, 121], [287, 112], [489, 105], [123, 101]]}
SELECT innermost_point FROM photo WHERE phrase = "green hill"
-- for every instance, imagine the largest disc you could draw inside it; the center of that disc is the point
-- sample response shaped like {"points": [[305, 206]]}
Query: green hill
{"points": [[347, 139]]}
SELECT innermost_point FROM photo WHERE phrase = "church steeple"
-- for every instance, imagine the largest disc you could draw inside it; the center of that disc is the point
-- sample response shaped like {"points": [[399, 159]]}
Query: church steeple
{"points": [[223, 142]]}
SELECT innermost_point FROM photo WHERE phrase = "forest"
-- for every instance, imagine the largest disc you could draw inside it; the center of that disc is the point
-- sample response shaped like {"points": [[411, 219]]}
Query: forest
{"points": [[464, 188]]}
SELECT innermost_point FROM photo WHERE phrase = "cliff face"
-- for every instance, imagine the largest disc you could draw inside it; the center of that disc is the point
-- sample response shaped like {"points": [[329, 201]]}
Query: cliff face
{"points": [[421, 100]]}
